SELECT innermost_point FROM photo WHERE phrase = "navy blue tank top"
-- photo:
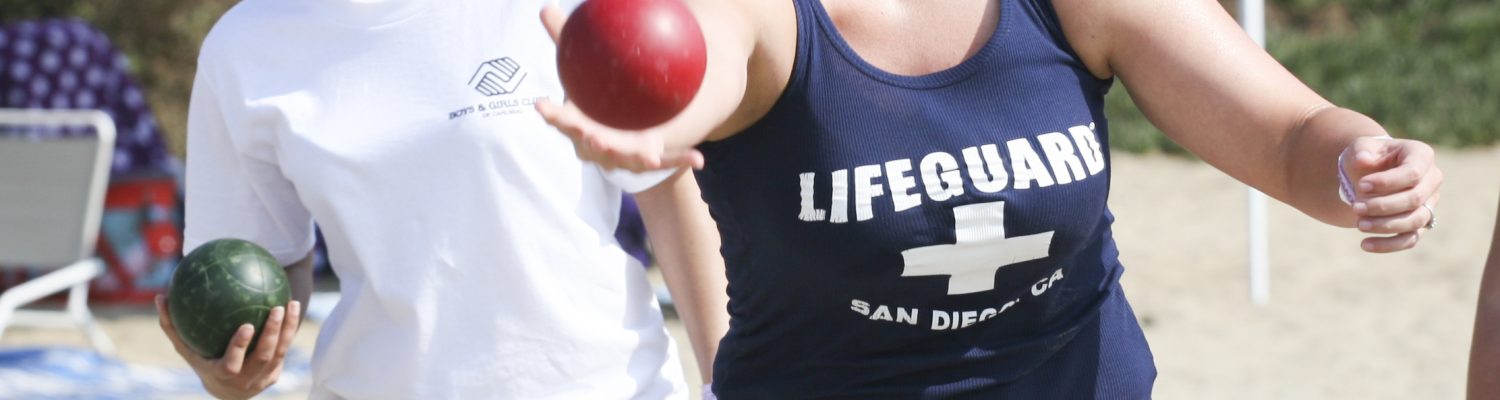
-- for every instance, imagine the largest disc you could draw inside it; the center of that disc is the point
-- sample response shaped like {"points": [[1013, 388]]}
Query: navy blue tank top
{"points": [[934, 236]]}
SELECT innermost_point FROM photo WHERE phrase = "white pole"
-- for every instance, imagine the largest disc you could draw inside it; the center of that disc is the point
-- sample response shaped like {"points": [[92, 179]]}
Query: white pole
{"points": [[1260, 270], [1253, 19]]}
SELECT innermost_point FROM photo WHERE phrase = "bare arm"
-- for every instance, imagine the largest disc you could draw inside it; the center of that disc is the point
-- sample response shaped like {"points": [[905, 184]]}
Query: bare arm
{"points": [[686, 243], [240, 374], [1484, 356], [1200, 79], [300, 274]]}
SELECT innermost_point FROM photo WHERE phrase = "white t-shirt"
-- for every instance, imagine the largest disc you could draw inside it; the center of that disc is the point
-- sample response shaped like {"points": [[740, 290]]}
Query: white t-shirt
{"points": [[476, 253]]}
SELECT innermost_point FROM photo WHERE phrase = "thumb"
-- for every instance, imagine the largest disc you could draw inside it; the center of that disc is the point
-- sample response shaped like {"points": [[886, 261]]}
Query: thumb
{"points": [[688, 158], [1366, 155], [553, 19]]}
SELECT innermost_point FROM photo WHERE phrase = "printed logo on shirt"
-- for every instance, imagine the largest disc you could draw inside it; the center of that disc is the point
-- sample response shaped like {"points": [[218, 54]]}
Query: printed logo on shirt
{"points": [[498, 76], [499, 80], [983, 247]]}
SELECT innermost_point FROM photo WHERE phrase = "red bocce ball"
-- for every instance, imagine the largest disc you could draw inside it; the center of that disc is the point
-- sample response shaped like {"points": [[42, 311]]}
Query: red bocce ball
{"points": [[631, 64]]}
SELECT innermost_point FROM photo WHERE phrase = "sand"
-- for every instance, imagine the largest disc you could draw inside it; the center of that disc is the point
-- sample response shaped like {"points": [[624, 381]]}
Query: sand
{"points": [[1341, 323]]}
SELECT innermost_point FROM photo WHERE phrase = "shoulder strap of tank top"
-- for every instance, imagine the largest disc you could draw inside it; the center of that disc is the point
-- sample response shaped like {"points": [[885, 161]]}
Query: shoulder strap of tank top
{"points": [[807, 14], [1046, 15]]}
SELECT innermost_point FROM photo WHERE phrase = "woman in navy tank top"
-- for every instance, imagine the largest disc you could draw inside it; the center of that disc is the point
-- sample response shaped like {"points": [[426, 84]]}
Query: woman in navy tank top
{"points": [[912, 198]]}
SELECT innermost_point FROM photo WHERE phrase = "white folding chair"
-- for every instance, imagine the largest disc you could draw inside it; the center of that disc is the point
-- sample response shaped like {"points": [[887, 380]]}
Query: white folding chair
{"points": [[51, 198]]}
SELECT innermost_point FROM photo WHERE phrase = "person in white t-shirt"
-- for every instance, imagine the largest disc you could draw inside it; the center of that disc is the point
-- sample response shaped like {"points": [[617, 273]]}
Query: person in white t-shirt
{"points": [[475, 254]]}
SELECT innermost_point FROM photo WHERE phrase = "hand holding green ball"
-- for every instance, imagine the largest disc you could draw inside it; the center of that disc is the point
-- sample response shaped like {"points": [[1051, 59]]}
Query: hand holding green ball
{"points": [[221, 286]]}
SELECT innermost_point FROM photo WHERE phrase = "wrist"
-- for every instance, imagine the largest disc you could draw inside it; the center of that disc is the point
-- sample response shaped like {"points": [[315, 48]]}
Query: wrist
{"points": [[223, 394], [219, 390]]}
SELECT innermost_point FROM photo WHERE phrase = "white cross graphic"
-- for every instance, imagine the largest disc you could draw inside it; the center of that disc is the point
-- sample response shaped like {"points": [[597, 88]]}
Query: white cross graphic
{"points": [[980, 251]]}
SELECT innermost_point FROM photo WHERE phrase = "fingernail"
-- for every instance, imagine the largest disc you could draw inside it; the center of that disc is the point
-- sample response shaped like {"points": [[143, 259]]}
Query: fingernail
{"points": [[1360, 208], [278, 313], [1366, 186], [1365, 225], [1365, 154], [1367, 246]]}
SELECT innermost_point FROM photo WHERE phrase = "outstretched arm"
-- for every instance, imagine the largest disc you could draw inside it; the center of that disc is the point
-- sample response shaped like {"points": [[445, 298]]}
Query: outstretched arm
{"points": [[1484, 356], [1202, 80]]}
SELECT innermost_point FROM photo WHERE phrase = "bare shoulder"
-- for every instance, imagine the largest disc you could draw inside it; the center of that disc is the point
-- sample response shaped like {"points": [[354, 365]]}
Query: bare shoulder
{"points": [[774, 22], [1089, 26], [764, 33], [774, 56], [1102, 31]]}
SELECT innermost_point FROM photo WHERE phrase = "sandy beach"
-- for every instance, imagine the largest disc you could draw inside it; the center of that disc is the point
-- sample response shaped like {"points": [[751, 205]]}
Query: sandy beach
{"points": [[1341, 323]]}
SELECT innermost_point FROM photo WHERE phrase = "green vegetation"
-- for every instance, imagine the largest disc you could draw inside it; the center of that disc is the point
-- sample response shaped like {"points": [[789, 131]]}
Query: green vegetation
{"points": [[1425, 69]]}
